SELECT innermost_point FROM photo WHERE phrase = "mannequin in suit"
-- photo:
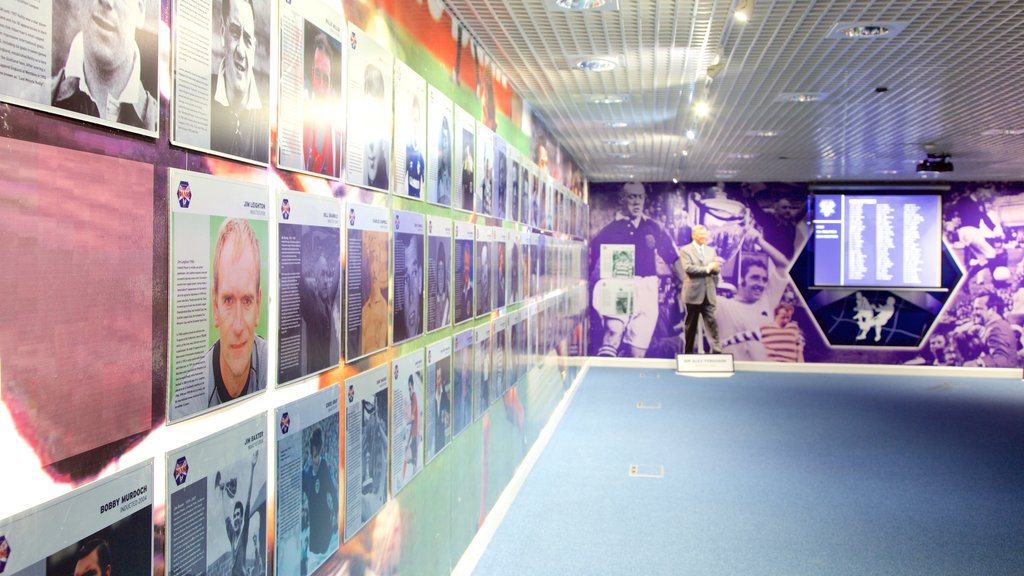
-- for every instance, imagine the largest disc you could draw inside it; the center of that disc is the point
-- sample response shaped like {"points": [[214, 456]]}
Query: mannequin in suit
{"points": [[700, 263]]}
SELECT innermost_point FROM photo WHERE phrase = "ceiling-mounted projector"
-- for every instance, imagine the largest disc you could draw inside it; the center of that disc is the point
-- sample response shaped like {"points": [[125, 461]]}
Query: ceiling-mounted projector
{"points": [[935, 163]]}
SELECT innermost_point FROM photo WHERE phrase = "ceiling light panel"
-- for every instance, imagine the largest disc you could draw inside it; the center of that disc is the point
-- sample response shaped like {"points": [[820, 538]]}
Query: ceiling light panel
{"points": [[582, 5]]}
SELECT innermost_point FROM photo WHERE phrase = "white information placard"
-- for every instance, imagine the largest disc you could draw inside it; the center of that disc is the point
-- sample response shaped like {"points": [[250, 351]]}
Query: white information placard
{"points": [[366, 280], [484, 269], [462, 380], [217, 502], [218, 292], [464, 258], [410, 132], [369, 123], [106, 525], [483, 195], [439, 397], [407, 414], [482, 376], [309, 285], [440, 126], [310, 114], [308, 467], [439, 273], [221, 76], [366, 447], [465, 160], [407, 243]]}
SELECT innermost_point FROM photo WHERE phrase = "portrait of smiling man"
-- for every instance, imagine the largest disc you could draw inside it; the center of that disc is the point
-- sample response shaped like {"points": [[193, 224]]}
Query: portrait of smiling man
{"points": [[102, 73], [410, 324], [238, 120]]}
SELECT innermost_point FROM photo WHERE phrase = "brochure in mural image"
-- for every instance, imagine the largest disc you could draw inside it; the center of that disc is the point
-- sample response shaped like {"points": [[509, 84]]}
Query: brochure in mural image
{"points": [[105, 526], [217, 502], [369, 122], [366, 280], [309, 285], [308, 476], [365, 397], [221, 72], [407, 413], [219, 290], [438, 409], [310, 113]]}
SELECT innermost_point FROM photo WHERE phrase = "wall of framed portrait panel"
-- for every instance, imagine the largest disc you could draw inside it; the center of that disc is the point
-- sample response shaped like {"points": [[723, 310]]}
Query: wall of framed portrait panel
{"points": [[241, 277]]}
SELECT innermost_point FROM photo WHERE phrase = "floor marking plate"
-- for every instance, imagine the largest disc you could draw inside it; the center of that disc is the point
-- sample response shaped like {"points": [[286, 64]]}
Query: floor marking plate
{"points": [[646, 471]]}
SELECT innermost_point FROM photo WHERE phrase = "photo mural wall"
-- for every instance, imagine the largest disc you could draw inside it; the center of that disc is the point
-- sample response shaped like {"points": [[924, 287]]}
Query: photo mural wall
{"points": [[770, 306], [227, 324]]}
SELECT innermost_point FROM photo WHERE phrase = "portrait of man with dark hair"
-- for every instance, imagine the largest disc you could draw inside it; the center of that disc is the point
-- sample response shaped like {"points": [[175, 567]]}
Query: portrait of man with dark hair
{"points": [[320, 149], [93, 559], [320, 494]]}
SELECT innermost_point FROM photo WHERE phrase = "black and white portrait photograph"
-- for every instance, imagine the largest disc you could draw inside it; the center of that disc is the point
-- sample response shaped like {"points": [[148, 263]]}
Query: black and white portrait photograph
{"points": [[439, 273], [104, 64], [240, 79], [408, 274]]}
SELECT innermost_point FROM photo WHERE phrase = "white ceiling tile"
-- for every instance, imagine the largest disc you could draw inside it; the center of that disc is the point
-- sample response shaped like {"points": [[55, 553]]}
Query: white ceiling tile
{"points": [[953, 76]]}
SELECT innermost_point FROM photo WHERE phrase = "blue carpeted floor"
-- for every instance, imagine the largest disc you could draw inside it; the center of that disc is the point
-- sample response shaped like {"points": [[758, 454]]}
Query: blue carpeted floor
{"points": [[775, 474]]}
